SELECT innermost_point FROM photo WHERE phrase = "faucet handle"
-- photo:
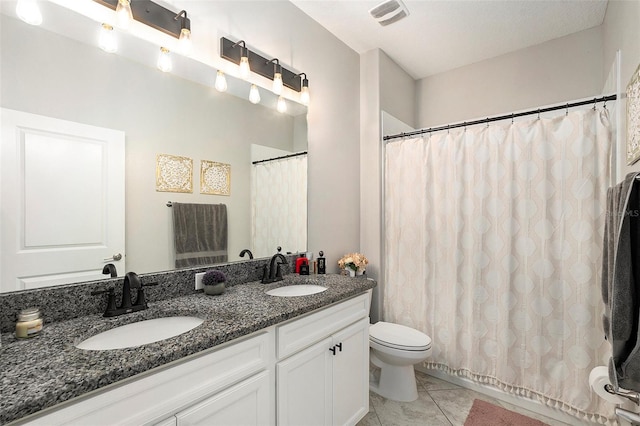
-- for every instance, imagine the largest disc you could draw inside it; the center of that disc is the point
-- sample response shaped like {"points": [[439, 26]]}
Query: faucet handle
{"points": [[265, 274], [111, 301]]}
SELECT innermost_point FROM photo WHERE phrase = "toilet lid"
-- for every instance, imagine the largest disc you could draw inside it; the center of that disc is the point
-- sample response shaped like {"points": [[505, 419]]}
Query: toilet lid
{"points": [[399, 336]]}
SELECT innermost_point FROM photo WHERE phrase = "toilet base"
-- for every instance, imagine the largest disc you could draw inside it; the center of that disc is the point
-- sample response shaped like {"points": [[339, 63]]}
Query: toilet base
{"points": [[397, 383]]}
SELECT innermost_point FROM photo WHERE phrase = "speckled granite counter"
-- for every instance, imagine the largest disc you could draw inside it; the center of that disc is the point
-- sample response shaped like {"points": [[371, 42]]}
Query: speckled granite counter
{"points": [[48, 369]]}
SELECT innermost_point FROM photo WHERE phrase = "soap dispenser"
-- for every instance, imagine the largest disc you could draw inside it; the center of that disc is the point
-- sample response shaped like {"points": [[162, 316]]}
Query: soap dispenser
{"points": [[322, 266]]}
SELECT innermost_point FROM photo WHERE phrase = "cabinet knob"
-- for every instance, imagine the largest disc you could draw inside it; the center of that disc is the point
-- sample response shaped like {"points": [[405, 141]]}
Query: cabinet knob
{"points": [[333, 350], [339, 345]]}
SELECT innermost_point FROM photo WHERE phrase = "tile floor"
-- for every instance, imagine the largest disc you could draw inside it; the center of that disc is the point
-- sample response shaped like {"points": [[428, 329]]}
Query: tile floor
{"points": [[439, 403]]}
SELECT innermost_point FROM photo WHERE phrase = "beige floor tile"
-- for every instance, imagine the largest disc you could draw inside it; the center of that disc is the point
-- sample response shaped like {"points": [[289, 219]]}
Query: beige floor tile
{"points": [[422, 412], [431, 383], [371, 419]]}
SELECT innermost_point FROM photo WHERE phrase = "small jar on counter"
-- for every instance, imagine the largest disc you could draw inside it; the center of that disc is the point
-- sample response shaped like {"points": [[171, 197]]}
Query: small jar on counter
{"points": [[29, 323]]}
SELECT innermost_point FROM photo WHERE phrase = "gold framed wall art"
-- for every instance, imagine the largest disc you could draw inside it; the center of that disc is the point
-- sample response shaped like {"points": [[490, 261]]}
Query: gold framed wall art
{"points": [[174, 173], [215, 178], [633, 118]]}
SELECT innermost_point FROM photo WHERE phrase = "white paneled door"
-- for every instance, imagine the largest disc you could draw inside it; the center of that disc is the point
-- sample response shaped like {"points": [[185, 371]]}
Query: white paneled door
{"points": [[61, 201]]}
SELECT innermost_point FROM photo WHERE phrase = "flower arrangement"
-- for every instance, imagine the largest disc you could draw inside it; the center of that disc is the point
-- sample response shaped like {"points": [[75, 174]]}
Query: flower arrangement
{"points": [[213, 277], [353, 261]]}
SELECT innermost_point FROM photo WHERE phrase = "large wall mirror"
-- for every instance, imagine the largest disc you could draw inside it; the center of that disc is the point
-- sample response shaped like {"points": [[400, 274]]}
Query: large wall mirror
{"points": [[56, 73]]}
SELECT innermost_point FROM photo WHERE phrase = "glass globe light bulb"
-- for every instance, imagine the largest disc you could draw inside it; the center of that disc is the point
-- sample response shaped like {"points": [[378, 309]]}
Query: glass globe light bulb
{"points": [[277, 83], [245, 70], [124, 15], [221, 82], [254, 94], [186, 46], [29, 12], [282, 105], [164, 60], [304, 95], [107, 40]]}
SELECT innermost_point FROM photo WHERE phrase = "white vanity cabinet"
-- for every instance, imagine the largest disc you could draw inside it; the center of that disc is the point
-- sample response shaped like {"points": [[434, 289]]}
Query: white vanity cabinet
{"points": [[184, 391], [327, 382], [311, 370]]}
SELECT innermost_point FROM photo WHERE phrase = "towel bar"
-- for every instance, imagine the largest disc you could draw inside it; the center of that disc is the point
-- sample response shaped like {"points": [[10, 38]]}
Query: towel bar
{"points": [[631, 396], [629, 416]]}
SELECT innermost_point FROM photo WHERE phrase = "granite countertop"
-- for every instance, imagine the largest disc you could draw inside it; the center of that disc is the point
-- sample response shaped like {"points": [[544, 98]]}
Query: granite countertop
{"points": [[46, 370]]}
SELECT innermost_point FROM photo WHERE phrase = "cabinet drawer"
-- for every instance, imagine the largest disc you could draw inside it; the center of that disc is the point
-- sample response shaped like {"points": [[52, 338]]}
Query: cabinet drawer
{"points": [[155, 395], [305, 331]]}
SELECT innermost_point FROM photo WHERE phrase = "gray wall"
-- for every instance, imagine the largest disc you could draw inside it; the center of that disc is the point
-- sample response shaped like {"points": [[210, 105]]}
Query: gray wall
{"points": [[47, 74], [559, 70]]}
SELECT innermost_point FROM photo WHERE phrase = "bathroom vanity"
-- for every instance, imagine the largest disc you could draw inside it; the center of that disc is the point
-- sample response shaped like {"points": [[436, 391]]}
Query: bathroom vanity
{"points": [[256, 359]]}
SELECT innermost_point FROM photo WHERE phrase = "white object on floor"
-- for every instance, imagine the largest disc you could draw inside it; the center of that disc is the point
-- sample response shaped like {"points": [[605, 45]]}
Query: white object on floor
{"points": [[395, 349]]}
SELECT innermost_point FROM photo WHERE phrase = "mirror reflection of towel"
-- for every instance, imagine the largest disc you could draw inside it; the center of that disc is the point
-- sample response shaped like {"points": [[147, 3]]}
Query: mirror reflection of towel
{"points": [[200, 234]]}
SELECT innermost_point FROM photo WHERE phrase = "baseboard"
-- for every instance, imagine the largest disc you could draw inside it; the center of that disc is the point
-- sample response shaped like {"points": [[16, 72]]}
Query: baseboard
{"points": [[524, 403]]}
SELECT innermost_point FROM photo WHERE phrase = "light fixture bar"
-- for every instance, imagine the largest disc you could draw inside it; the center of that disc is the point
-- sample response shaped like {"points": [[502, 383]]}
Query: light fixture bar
{"points": [[155, 16], [231, 51]]}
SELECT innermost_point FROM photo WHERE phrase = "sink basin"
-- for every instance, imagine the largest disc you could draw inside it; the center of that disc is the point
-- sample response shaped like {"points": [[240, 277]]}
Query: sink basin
{"points": [[140, 333], [296, 290]]}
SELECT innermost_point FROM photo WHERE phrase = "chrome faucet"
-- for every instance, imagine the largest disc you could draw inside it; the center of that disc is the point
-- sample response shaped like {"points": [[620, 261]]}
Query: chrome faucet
{"points": [[275, 272]]}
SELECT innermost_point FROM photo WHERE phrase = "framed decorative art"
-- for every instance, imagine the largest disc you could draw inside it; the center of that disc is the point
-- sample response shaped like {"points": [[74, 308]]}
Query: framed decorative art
{"points": [[174, 173], [215, 178], [633, 118]]}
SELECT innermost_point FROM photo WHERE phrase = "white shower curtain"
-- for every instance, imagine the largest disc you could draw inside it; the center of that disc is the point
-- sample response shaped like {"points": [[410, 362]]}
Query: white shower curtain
{"points": [[279, 206], [493, 239]]}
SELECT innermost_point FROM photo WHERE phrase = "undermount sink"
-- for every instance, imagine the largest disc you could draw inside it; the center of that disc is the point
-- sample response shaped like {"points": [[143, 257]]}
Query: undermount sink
{"points": [[140, 333], [296, 290]]}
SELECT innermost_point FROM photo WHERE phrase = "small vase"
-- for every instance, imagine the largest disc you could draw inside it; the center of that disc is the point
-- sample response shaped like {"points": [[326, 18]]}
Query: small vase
{"points": [[215, 289], [352, 273]]}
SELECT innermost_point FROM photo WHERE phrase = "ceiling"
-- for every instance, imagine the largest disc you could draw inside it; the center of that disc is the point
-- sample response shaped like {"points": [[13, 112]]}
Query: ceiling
{"points": [[440, 35]]}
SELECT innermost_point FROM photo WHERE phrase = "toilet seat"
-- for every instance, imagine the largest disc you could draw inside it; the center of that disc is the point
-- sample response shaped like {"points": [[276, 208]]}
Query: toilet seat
{"points": [[399, 337]]}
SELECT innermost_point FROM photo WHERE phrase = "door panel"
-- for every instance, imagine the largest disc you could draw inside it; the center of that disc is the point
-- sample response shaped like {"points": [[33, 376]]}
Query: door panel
{"points": [[61, 199]]}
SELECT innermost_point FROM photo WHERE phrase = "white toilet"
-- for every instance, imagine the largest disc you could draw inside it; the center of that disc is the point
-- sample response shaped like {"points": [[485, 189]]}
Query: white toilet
{"points": [[395, 349]]}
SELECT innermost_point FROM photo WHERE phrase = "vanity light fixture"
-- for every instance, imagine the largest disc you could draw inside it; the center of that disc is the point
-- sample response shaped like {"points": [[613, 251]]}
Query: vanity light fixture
{"points": [[281, 76], [277, 77], [124, 15], [164, 60], [221, 82], [282, 105], [151, 14], [254, 94], [29, 12], [304, 93], [107, 39]]}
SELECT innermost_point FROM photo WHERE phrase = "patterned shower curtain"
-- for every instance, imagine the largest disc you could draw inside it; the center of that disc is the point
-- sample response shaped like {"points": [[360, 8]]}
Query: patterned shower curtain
{"points": [[493, 239], [279, 206]]}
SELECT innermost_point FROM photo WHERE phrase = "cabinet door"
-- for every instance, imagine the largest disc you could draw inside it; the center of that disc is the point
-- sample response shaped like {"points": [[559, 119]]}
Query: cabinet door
{"points": [[351, 373], [304, 387], [247, 403]]}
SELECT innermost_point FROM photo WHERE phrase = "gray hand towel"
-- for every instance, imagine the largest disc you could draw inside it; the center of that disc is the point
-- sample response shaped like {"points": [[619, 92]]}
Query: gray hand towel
{"points": [[621, 281], [200, 234]]}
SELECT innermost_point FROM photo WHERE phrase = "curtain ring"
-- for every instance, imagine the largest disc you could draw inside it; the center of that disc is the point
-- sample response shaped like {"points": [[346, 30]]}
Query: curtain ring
{"points": [[465, 126], [594, 104], [487, 121], [538, 113], [605, 104], [567, 112], [447, 129], [511, 118]]}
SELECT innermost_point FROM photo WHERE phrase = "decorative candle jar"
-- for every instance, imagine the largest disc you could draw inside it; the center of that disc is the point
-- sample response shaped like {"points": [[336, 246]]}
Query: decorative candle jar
{"points": [[29, 323]]}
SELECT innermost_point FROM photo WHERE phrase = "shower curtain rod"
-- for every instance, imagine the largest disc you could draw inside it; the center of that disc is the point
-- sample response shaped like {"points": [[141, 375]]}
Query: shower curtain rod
{"points": [[280, 158], [487, 120]]}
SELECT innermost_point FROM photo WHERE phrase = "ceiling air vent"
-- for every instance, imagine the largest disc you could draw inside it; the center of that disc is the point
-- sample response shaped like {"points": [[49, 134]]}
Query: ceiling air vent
{"points": [[389, 12]]}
